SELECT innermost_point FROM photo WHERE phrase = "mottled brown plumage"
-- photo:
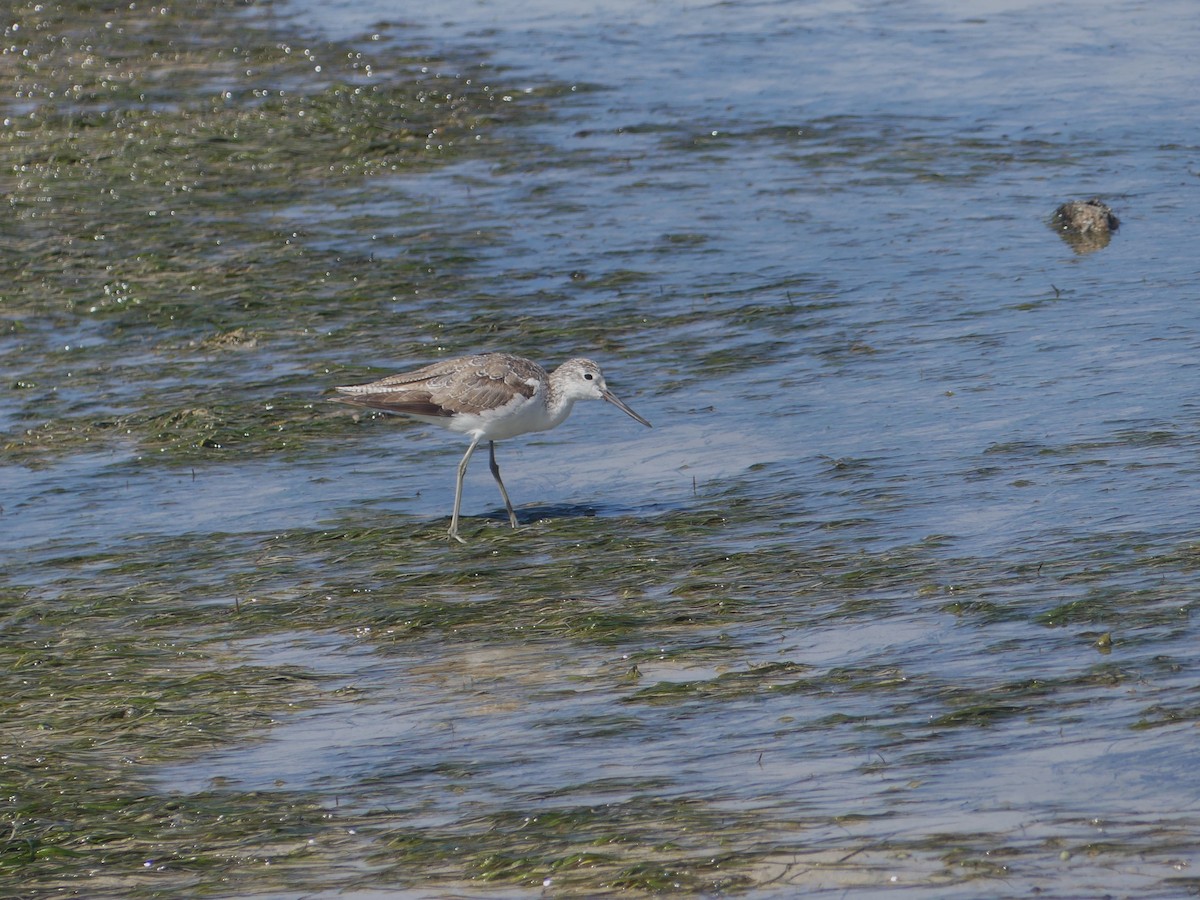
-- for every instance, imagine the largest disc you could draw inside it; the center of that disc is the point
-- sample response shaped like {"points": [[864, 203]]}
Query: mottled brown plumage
{"points": [[470, 385]]}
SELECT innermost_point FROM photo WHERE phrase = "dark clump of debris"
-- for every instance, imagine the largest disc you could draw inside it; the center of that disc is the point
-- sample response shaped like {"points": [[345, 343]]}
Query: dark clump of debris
{"points": [[1086, 225]]}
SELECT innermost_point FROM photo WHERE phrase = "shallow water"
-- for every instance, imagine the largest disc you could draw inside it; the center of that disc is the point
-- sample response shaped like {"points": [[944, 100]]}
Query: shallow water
{"points": [[897, 594]]}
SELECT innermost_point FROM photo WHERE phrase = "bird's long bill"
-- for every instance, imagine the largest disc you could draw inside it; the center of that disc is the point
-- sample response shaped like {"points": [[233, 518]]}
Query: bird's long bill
{"points": [[619, 404]]}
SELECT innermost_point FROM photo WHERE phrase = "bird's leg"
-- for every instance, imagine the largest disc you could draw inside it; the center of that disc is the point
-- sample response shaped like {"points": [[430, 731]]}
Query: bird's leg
{"points": [[462, 471], [512, 516]]}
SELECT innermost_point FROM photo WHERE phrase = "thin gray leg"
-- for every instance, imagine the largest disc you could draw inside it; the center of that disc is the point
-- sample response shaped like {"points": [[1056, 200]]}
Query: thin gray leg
{"points": [[512, 516], [462, 471]]}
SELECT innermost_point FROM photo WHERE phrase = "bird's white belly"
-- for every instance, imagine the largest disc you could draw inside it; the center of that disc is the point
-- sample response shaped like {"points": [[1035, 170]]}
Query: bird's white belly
{"points": [[520, 416]]}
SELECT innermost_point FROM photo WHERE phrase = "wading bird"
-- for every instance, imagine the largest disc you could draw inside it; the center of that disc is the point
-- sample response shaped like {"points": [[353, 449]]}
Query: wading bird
{"points": [[492, 397]]}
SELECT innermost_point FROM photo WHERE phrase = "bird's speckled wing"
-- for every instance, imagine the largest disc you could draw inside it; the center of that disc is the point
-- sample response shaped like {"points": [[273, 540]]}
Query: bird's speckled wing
{"points": [[465, 385]]}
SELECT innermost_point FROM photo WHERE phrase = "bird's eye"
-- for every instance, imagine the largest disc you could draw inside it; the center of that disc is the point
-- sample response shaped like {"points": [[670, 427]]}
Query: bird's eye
{"points": [[588, 376]]}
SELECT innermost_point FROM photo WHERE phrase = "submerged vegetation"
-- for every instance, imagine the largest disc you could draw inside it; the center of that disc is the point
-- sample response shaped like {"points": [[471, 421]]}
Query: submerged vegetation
{"points": [[119, 660], [153, 161]]}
